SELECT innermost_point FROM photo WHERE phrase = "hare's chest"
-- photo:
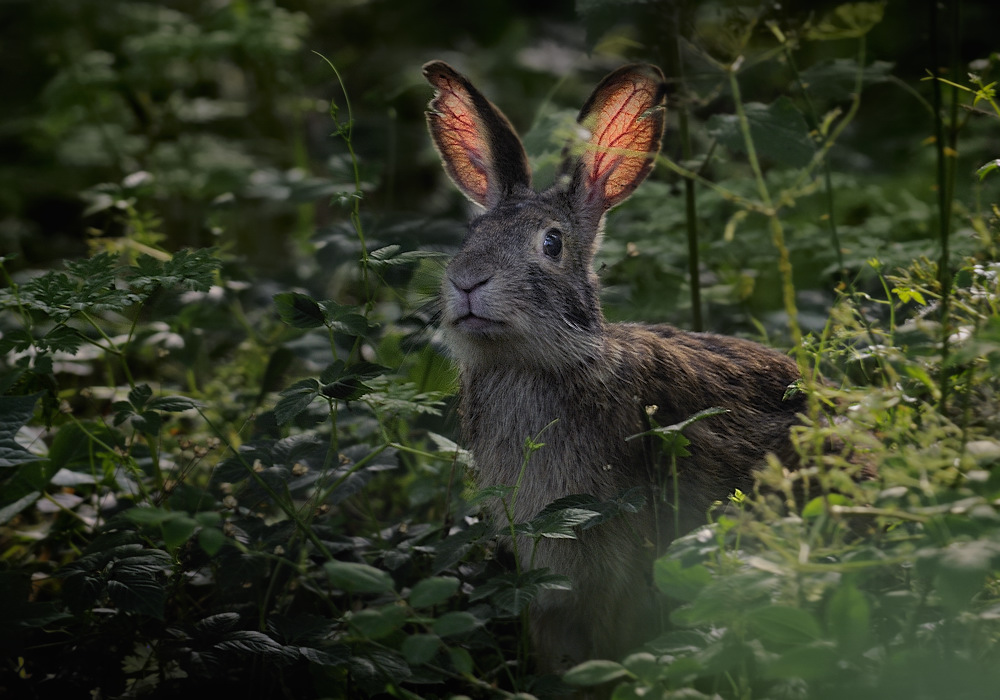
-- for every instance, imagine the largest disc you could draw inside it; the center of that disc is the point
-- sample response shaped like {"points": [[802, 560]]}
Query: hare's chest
{"points": [[549, 444]]}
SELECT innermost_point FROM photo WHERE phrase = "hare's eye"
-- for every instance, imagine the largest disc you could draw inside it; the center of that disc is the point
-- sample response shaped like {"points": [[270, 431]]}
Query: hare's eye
{"points": [[552, 243]]}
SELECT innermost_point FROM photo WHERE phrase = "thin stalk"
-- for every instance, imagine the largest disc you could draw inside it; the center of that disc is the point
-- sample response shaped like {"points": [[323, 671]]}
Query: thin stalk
{"points": [[690, 205], [774, 223], [945, 186]]}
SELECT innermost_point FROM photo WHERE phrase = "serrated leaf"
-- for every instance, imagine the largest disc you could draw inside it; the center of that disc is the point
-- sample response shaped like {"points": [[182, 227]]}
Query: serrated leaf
{"points": [[778, 130], [172, 404], [139, 396], [350, 324], [392, 255], [15, 411], [61, 339], [257, 643], [346, 389], [837, 79], [433, 591], [358, 578], [295, 399], [217, 624], [192, 269], [595, 672], [299, 310], [557, 524]]}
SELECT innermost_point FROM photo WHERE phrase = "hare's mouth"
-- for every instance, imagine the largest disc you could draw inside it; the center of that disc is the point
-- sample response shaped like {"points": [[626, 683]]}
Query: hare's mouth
{"points": [[470, 323]]}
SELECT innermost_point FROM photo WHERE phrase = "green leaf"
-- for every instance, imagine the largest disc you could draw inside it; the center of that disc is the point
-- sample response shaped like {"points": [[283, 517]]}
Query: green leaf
{"points": [[257, 643], [350, 324], [177, 530], [644, 666], [461, 660], [963, 568], [678, 581], [987, 168], [139, 396], [817, 660], [172, 404], [595, 672], [457, 622], [61, 339], [848, 617], [296, 399], [299, 310], [420, 648], [778, 130], [377, 623], [134, 583], [847, 21], [211, 539], [358, 578], [433, 591], [784, 624], [817, 506], [557, 524], [391, 255], [15, 411], [146, 515], [12, 509]]}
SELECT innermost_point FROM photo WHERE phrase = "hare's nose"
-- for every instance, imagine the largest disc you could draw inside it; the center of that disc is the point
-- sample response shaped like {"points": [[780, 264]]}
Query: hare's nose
{"points": [[467, 283]]}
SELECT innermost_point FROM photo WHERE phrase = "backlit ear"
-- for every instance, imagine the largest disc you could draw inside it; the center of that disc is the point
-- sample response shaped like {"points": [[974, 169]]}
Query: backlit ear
{"points": [[624, 120], [478, 146]]}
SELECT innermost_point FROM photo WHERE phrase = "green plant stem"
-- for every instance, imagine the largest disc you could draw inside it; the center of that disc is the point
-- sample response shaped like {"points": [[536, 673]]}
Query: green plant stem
{"points": [[945, 188], [690, 204], [774, 223], [286, 508]]}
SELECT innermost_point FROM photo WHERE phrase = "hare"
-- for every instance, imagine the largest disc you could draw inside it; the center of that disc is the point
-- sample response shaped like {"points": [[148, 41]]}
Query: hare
{"points": [[522, 316]]}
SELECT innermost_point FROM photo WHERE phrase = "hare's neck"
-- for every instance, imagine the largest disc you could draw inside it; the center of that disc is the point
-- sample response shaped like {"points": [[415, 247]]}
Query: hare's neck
{"points": [[555, 434]]}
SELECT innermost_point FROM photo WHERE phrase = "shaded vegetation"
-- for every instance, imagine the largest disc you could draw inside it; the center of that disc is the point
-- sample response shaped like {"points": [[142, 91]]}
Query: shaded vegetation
{"points": [[228, 455]]}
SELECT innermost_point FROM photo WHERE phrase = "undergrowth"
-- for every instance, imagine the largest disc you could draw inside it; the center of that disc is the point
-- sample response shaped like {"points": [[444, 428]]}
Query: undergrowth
{"points": [[212, 484]]}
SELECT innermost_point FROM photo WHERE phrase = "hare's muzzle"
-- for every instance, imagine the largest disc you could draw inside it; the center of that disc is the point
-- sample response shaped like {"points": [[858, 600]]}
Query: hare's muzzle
{"points": [[468, 303]]}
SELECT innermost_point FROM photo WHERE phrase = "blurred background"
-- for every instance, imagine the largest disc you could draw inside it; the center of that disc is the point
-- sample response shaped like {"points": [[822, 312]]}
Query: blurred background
{"points": [[213, 120]]}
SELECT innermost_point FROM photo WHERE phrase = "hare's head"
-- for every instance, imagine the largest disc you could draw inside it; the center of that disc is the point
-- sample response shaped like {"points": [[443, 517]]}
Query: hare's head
{"points": [[522, 290]]}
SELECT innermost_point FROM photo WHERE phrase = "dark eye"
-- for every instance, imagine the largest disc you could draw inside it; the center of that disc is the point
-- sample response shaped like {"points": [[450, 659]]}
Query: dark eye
{"points": [[552, 243]]}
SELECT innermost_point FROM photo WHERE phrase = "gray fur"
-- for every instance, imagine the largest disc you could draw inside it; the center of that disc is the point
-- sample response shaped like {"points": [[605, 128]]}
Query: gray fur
{"points": [[533, 347]]}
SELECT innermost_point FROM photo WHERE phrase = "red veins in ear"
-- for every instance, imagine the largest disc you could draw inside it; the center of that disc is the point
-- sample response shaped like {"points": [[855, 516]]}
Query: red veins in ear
{"points": [[624, 136], [458, 134]]}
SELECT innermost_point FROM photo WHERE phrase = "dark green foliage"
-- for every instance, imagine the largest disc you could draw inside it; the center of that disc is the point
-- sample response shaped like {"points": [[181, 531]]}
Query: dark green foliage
{"points": [[228, 457]]}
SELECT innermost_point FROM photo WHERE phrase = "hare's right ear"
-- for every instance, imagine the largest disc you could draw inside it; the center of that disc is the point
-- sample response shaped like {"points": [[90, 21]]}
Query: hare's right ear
{"points": [[478, 146], [623, 123]]}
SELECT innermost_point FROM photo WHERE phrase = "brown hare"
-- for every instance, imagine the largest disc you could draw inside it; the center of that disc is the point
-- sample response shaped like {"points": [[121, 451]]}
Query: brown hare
{"points": [[521, 313]]}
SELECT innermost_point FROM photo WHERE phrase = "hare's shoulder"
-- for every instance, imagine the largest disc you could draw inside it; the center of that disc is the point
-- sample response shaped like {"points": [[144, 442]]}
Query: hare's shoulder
{"points": [[702, 351], [691, 371]]}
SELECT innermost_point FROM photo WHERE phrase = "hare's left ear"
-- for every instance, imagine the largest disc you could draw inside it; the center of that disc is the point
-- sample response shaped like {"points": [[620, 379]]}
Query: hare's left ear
{"points": [[623, 119], [479, 148]]}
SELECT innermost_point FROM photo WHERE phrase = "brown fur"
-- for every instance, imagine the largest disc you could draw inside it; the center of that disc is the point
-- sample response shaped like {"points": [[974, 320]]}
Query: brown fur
{"points": [[534, 350]]}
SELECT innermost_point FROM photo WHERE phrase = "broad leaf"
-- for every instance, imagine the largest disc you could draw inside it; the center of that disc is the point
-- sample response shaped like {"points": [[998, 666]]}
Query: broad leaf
{"points": [[358, 578]]}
